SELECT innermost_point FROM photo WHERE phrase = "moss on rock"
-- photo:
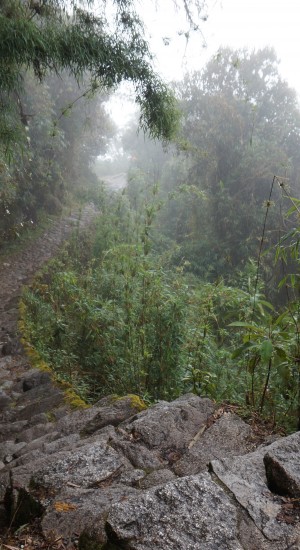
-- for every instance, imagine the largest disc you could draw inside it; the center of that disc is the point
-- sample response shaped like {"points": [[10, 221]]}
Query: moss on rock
{"points": [[135, 401]]}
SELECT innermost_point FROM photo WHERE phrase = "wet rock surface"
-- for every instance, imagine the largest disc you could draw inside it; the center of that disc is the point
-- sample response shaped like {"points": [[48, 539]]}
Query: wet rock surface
{"points": [[179, 476]]}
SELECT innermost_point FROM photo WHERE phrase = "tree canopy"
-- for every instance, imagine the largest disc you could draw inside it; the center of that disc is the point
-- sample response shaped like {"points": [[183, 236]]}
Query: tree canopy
{"points": [[105, 39], [240, 125]]}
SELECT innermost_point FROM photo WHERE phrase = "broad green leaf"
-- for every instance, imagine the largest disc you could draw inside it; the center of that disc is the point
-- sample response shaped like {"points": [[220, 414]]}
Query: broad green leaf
{"points": [[266, 304], [252, 336], [280, 352], [266, 350], [284, 334], [280, 318], [252, 364]]}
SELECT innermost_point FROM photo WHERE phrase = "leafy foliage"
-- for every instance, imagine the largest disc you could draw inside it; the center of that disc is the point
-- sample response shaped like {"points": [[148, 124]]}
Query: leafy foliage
{"points": [[116, 325], [129, 308], [57, 155], [56, 57]]}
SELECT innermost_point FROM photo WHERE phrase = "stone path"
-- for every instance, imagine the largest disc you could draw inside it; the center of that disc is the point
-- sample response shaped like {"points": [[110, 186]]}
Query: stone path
{"points": [[115, 182]]}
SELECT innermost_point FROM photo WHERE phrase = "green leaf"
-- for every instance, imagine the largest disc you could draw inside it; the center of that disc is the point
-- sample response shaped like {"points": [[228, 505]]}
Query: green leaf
{"points": [[280, 352], [266, 350], [282, 282], [252, 364], [239, 351], [252, 336], [293, 279], [280, 318], [291, 233], [243, 324], [266, 304]]}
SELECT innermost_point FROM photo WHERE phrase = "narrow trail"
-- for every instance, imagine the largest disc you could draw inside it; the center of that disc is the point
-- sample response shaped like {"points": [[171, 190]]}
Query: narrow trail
{"points": [[17, 270], [21, 266]]}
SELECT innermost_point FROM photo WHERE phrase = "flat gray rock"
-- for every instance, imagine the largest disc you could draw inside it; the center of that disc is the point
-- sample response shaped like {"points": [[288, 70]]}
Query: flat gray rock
{"points": [[66, 464], [246, 478], [10, 448], [35, 432], [191, 513], [38, 392], [34, 378], [9, 430], [138, 454], [38, 406], [4, 362], [63, 442], [75, 421], [3, 372], [87, 466], [113, 413], [82, 513], [5, 401], [158, 477], [38, 443]]}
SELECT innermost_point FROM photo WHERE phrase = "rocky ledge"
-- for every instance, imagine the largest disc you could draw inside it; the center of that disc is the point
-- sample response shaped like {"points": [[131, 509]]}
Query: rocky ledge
{"points": [[180, 475]]}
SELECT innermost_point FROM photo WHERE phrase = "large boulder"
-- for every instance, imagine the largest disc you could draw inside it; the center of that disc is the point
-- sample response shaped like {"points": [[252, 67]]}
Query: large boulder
{"points": [[170, 427], [112, 411], [191, 513], [282, 463], [78, 513], [116, 476]]}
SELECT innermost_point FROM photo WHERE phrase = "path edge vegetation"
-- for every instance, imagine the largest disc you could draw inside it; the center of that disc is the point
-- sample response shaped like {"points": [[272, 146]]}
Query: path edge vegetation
{"points": [[228, 346], [72, 399], [36, 361]]}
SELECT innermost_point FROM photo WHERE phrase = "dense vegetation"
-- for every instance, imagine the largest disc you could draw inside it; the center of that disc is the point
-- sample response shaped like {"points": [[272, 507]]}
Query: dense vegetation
{"points": [[113, 315], [189, 279]]}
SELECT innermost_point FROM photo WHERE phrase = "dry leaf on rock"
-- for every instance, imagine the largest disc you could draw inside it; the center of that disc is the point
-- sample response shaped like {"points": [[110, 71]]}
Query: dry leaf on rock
{"points": [[64, 506]]}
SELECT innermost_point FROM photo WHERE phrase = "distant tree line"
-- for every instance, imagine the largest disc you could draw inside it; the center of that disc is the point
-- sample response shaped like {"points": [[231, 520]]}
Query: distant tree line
{"points": [[240, 126]]}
